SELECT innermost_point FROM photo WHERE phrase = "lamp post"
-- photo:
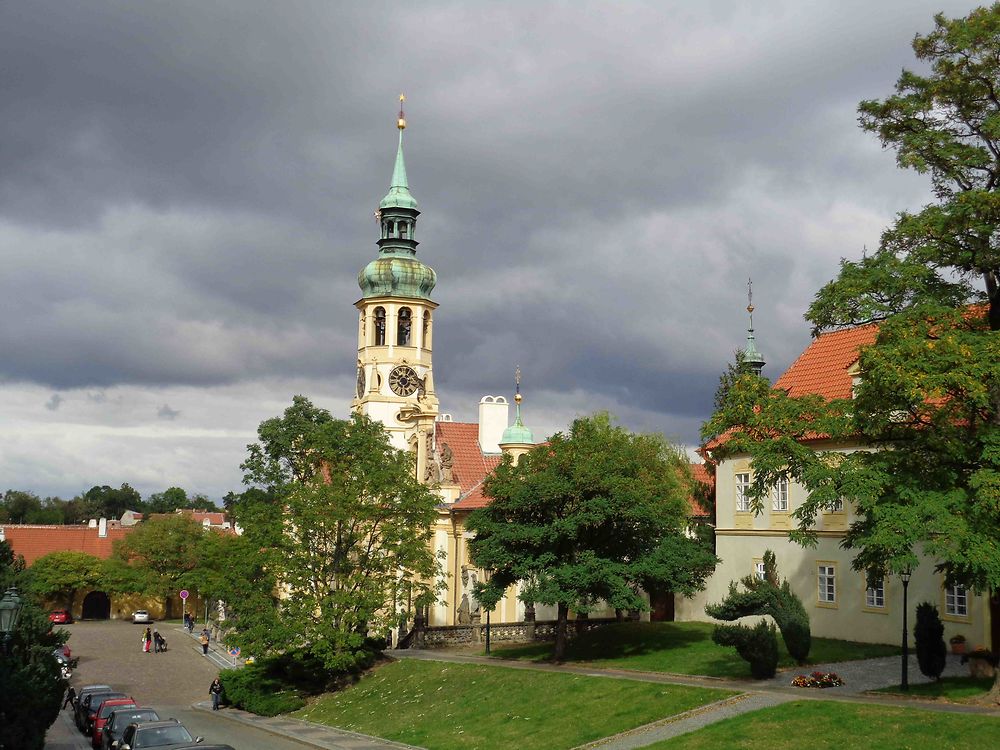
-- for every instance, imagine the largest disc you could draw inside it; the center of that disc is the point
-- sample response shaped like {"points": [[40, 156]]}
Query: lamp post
{"points": [[904, 576], [10, 613]]}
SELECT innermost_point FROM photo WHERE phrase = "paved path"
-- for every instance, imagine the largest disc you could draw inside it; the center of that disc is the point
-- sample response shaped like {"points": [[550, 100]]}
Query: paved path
{"points": [[110, 652]]}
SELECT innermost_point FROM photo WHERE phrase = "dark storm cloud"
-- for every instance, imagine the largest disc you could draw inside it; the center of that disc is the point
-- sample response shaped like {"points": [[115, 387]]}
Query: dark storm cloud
{"points": [[186, 189]]}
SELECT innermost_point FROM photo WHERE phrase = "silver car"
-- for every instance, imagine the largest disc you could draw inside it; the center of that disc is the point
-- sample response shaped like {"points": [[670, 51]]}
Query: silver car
{"points": [[141, 616]]}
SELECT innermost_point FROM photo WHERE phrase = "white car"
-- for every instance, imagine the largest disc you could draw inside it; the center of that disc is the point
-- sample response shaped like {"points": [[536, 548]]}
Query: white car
{"points": [[141, 615]]}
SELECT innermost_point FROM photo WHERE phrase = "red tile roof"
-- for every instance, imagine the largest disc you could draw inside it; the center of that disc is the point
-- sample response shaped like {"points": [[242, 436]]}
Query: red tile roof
{"points": [[471, 465], [702, 476], [35, 541], [823, 367]]}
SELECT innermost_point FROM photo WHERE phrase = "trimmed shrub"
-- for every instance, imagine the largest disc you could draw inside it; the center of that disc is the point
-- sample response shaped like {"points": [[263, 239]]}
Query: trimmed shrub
{"points": [[757, 645], [766, 597], [277, 684], [928, 633]]}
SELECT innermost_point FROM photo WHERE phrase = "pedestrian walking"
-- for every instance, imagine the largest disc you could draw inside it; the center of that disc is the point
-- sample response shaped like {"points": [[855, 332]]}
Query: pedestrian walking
{"points": [[70, 697], [147, 640], [204, 642], [158, 642], [215, 690]]}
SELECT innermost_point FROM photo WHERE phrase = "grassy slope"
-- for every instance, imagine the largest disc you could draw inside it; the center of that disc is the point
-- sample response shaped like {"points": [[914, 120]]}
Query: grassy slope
{"points": [[950, 688], [682, 648], [442, 706], [821, 725]]}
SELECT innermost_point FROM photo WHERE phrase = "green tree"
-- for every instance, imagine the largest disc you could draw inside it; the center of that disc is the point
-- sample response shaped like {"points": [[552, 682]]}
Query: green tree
{"points": [[160, 552], [31, 686], [598, 514], [20, 506], [108, 502], [167, 501], [356, 531], [61, 575], [928, 401]]}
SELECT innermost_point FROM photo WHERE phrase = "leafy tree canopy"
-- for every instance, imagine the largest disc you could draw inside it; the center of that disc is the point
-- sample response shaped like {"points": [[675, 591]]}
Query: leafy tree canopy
{"points": [[347, 527], [160, 552], [596, 514], [62, 574]]}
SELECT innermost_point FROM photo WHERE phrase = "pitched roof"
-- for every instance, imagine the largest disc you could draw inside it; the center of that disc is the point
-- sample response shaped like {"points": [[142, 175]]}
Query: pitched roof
{"points": [[702, 476], [823, 367], [33, 541]]}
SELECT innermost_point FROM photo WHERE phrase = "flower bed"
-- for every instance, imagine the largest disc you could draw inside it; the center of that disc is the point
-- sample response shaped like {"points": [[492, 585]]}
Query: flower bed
{"points": [[818, 680]]}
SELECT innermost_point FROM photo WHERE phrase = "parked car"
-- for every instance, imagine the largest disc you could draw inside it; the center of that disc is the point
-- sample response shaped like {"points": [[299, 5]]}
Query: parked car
{"points": [[161, 734], [88, 708], [61, 617], [101, 717], [84, 691], [202, 746], [118, 721], [141, 616]]}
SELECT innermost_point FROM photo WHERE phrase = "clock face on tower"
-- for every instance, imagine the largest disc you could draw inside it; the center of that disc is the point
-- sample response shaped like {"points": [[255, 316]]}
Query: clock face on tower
{"points": [[361, 382], [403, 380]]}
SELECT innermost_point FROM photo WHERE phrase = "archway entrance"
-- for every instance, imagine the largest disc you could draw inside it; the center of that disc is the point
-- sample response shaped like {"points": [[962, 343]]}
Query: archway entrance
{"points": [[661, 604], [96, 606]]}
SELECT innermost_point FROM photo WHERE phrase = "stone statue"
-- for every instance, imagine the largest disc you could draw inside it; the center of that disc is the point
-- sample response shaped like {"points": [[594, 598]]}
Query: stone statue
{"points": [[464, 615], [447, 461], [431, 470]]}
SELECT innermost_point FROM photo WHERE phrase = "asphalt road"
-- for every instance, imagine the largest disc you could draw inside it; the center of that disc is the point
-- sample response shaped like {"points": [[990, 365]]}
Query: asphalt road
{"points": [[110, 653]]}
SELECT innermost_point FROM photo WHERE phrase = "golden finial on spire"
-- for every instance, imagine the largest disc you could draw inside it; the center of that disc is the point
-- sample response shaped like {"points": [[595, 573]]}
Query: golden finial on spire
{"points": [[401, 122], [517, 384], [750, 295]]}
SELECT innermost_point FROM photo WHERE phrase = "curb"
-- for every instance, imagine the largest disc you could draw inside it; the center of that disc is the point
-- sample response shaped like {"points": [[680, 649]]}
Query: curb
{"points": [[263, 723]]}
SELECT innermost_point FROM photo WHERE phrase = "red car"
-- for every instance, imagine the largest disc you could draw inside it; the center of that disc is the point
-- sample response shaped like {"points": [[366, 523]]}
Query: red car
{"points": [[61, 617], [101, 717]]}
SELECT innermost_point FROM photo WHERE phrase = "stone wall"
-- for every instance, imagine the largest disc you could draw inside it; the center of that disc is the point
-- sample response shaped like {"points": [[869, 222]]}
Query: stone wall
{"points": [[445, 636]]}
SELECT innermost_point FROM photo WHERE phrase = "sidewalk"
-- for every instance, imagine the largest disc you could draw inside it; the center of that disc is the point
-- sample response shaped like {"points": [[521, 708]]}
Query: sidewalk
{"points": [[216, 651], [317, 735]]}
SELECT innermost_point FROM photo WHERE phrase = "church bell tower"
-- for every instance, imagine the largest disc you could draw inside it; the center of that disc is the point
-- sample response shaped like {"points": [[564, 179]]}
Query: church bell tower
{"points": [[395, 327]]}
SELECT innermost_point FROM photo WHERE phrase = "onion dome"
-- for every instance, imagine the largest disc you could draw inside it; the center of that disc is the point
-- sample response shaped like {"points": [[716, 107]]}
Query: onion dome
{"points": [[397, 275], [517, 433]]}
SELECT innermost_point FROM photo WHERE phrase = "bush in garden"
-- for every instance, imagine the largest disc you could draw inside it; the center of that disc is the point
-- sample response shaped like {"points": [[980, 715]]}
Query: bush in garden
{"points": [[757, 645], [929, 636], [766, 597]]}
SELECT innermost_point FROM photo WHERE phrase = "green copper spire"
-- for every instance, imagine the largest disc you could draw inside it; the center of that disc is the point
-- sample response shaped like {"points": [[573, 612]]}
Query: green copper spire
{"points": [[752, 358], [399, 189], [397, 272], [517, 432]]}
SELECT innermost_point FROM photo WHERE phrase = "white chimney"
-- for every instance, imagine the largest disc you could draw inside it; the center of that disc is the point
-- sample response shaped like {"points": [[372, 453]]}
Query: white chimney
{"points": [[92, 523], [492, 422], [102, 527]]}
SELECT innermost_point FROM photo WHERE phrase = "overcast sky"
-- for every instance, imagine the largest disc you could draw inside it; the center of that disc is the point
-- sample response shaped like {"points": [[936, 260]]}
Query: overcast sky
{"points": [[186, 197]]}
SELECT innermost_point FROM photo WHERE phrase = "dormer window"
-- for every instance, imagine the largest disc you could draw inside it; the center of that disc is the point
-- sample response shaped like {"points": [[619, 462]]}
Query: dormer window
{"points": [[404, 327], [379, 326]]}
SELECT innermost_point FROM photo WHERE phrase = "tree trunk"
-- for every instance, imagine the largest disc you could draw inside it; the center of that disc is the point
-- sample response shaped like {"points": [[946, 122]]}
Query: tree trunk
{"points": [[560, 651], [994, 694]]}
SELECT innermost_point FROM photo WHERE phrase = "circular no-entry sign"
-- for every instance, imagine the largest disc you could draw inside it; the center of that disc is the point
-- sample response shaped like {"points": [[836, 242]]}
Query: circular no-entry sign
{"points": [[234, 651], [184, 594]]}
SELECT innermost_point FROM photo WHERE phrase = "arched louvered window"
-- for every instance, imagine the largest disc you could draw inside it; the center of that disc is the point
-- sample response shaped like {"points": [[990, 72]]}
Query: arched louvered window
{"points": [[379, 326]]}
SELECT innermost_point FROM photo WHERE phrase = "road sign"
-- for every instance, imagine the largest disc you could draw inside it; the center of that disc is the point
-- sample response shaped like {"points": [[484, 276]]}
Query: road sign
{"points": [[184, 594], [234, 651]]}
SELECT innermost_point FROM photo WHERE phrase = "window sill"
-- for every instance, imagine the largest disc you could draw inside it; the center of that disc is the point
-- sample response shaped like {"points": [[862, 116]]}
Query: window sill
{"points": [[779, 520], [742, 520], [828, 605], [964, 619], [875, 610]]}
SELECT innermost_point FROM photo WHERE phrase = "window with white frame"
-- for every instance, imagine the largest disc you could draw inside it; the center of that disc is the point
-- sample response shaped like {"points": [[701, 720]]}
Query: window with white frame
{"points": [[779, 499], [758, 570], [835, 506], [875, 594], [743, 492], [826, 576], [956, 601]]}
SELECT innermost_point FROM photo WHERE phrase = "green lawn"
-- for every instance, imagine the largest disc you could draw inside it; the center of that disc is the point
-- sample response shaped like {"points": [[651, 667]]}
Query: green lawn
{"points": [[949, 688], [444, 706], [826, 725], [681, 648]]}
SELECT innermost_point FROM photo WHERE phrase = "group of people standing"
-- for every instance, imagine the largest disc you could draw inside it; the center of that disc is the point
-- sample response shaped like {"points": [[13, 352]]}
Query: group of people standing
{"points": [[151, 639]]}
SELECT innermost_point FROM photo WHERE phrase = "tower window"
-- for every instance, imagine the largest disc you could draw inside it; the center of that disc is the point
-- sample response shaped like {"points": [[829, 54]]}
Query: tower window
{"points": [[404, 229], [379, 326], [404, 327]]}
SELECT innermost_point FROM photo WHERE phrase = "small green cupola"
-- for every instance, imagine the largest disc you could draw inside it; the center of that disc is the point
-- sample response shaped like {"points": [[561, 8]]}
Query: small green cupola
{"points": [[753, 360], [397, 272], [517, 434]]}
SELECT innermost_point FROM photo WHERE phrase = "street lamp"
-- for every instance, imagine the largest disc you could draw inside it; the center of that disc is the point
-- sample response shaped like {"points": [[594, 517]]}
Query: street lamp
{"points": [[904, 576], [10, 613]]}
